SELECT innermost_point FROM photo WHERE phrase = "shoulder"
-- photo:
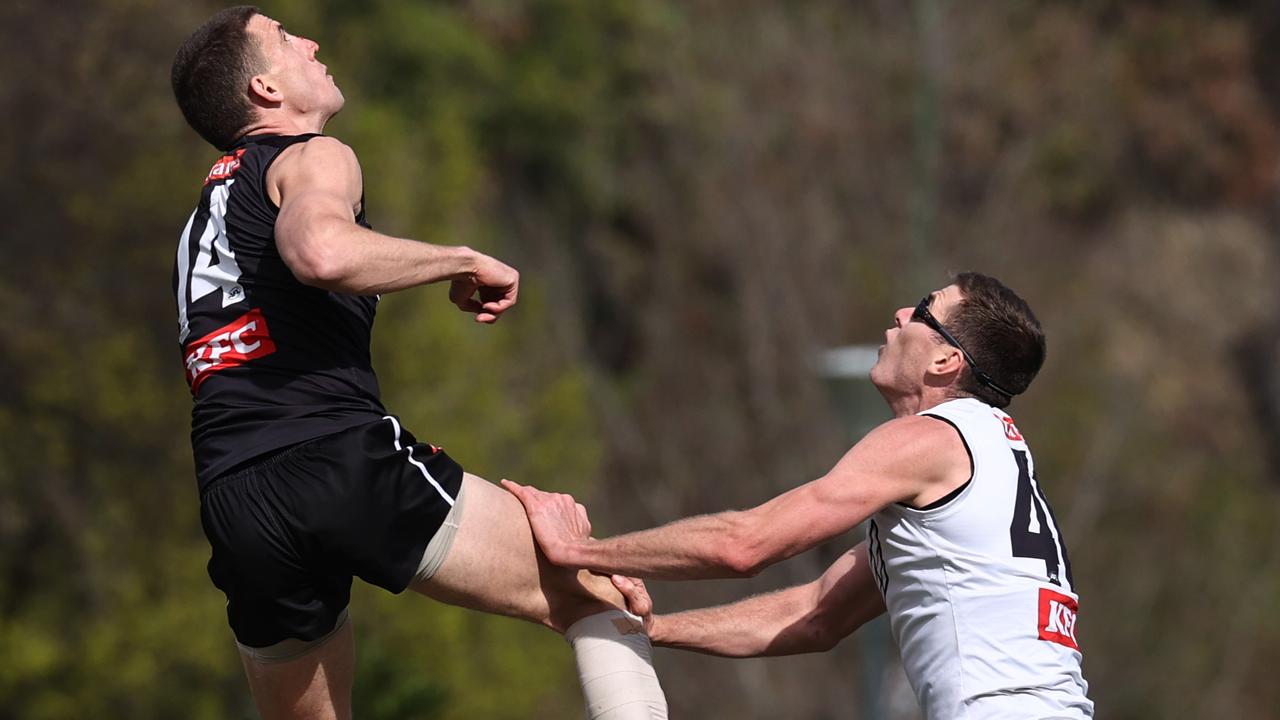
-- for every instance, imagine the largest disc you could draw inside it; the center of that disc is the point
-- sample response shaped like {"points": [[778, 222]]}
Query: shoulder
{"points": [[322, 153], [323, 163], [912, 434], [322, 147], [919, 447]]}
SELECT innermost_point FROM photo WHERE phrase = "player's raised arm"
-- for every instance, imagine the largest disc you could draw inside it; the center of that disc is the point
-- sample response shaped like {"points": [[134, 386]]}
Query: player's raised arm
{"points": [[812, 617], [318, 187], [904, 460]]}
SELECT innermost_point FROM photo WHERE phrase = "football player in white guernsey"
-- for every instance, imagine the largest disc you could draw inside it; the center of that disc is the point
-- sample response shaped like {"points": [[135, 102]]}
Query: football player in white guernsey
{"points": [[962, 549]]}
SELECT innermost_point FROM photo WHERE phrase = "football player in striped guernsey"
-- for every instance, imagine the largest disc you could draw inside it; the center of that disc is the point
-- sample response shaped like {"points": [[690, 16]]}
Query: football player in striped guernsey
{"points": [[962, 548], [305, 479]]}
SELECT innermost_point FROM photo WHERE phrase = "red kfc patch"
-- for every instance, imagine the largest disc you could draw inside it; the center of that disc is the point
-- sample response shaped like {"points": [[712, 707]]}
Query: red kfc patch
{"points": [[236, 343], [1058, 618]]}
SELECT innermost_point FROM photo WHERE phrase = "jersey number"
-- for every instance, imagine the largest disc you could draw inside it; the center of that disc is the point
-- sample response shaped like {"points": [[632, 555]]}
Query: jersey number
{"points": [[1034, 531], [201, 277], [875, 554]]}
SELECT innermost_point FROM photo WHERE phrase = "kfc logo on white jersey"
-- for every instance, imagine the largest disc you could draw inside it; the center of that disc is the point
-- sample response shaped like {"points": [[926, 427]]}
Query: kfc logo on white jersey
{"points": [[1058, 618], [245, 338]]}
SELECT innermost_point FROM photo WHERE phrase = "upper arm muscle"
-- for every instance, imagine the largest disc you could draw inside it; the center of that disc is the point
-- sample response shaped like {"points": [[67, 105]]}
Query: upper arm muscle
{"points": [[315, 183], [897, 462]]}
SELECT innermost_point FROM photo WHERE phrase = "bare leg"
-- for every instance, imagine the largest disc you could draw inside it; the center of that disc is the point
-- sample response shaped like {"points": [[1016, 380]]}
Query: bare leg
{"points": [[316, 686], [495, 566]]}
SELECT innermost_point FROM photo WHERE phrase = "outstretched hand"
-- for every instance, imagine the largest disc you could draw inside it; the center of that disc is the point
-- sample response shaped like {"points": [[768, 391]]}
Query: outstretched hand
{"points": [[637, 597], [488, 291], [559, 522]]}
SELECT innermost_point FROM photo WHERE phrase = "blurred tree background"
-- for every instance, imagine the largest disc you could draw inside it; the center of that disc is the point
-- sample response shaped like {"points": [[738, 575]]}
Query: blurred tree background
{"points": [[701, 195]]}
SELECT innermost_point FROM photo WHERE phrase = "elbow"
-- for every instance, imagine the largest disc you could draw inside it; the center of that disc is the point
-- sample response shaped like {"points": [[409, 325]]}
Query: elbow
{"points": [[323, 273], [807, 634], [816, 632], [824, 632], [319, 264], [829, 623], [821, 638], [741, 563], [745, 554]]}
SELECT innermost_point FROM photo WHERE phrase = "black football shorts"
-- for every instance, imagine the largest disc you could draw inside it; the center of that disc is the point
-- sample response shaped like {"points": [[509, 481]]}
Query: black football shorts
{"points": [[289, 532]]}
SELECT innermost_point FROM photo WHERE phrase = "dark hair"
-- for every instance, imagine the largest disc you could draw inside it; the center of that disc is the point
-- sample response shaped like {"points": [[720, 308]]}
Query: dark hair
{"points": [[999, 330], [211, 74]]}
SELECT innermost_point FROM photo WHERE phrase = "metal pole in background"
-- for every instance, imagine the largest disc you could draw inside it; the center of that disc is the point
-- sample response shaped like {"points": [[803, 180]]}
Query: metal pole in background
{"points": [[926, 143], [847, 371]]}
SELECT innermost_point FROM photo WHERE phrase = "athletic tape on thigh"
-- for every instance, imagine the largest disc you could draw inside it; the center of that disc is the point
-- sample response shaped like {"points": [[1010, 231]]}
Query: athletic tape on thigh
{"points": [[440, 544]]}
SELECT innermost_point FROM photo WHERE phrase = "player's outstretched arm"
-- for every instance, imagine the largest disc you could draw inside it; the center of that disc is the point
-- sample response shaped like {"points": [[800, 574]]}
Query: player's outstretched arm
{"points": [[806, 618], [318, 186], [683, 550], [904, 459]]}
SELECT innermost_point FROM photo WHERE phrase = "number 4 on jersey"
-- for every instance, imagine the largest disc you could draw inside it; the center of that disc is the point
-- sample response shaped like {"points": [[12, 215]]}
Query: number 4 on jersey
{"points": [[198, 279], [1034, 531]]}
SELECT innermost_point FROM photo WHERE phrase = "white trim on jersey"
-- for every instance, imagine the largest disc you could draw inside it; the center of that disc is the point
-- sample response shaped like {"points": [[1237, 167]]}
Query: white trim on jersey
{"points": [[423, 468]]}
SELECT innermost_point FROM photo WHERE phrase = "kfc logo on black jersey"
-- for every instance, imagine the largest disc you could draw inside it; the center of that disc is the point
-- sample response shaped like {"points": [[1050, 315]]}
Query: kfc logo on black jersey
{"points": [[245, 338]]}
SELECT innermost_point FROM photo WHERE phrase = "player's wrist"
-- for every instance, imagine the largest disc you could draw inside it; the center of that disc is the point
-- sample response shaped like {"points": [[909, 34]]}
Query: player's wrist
{"points": [[656, 628], [462, 262], [574, 553]]}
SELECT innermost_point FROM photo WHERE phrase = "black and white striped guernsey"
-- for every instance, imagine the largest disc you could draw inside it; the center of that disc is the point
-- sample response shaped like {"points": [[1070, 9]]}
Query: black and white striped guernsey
{"points": [[270, 361], [979, 590]]}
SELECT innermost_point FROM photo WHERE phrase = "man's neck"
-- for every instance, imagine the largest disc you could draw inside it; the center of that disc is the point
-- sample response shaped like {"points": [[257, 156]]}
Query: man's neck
{"points": [[281, 124], [916, 402]]}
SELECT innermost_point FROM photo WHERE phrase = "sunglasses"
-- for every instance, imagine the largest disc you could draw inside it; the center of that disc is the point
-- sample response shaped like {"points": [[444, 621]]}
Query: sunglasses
{"points": [[922, 314]]}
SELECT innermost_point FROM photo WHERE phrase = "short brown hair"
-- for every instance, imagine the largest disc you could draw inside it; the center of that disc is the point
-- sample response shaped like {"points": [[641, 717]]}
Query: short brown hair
{"points": [[211, 74], [1001, 333]]}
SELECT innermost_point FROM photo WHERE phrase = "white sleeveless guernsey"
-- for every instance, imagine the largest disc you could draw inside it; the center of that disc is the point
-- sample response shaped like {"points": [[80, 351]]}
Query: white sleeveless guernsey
{"points": [[978, 585]]}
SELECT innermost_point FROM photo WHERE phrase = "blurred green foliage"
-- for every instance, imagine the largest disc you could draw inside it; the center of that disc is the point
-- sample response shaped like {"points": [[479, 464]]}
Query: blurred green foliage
{"points": [[107, 611]]}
